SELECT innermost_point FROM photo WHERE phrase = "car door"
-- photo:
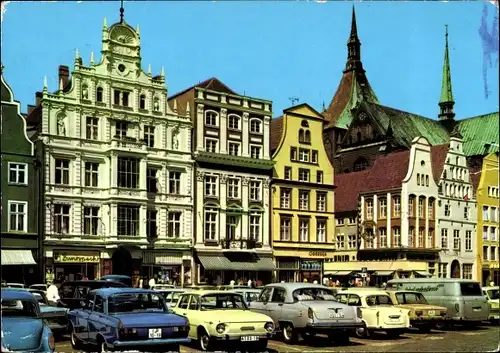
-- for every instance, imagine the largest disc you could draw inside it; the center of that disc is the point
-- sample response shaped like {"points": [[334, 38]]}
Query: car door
{"points": [[82, 317], [260, 305], [276, 306], [195, 317], [182, 310], [97, 319]]}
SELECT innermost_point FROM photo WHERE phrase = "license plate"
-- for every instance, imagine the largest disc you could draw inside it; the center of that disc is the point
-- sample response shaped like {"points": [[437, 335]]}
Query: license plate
{"points": [[249, 338], [432, 312], [155, 333], [338, 314], [394, 320]]}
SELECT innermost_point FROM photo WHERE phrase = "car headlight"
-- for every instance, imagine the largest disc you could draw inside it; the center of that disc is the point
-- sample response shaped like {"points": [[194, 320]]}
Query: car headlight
{"points": [[221, 328], [269, 326], [52, 341], [359, 313]]}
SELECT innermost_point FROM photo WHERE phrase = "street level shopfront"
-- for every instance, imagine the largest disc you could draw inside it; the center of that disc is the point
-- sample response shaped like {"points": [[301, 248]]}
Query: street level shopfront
{"points": [[300, 265], [19, 266], [172, 267], [491, 273], [70, 265], [221, 268]]}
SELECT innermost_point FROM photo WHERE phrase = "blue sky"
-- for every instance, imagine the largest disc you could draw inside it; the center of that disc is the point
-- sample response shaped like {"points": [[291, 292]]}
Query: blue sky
{"points": [[270, 50]]}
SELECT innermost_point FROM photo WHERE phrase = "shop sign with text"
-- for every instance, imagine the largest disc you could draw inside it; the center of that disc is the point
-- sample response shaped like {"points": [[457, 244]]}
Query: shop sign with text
{"points": [[68, 258]]}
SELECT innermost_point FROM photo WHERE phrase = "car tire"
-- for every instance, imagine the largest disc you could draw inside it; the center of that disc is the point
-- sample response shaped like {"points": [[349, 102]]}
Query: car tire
{"points": [[101, 345], [425, 328], [75, 342], [204, 341], [361, 332], [290, 334], [339, 337], [442, 325]]}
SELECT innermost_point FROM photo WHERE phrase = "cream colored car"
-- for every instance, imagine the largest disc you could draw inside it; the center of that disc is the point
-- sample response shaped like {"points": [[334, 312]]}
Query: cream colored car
{"points": [[378, 312], [222, 317]]}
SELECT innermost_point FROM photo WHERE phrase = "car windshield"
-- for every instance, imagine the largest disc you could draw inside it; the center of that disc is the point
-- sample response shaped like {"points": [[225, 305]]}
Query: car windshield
{"points": [[493, 293], [222, 301], [172, 296], [372, 300], [136, 302], [19, 308], [39, 298], [313, 293], [411, 298]]}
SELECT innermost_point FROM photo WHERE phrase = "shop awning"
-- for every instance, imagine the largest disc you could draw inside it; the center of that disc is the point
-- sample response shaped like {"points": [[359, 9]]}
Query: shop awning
{"points": [[17, 257], [383, 273], [423, 273], [223, 263], [338, 273]]}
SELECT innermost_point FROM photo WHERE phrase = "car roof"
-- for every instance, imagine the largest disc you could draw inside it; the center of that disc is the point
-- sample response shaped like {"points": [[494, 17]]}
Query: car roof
{"points": [[294, 286], [210, 292], [116, 276], [16, 294], [363, 292], [396, 290], [434, 280], [107, 292], [94, 283], [34, 290], [255, 290], [170, 290], [491, 287]]}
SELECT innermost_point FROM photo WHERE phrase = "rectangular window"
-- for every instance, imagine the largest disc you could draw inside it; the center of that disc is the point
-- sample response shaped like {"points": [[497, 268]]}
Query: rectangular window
{"points": [[397, 207], [468, 240], [128, 221], [303, 199], [234, 148], [352, 220], [285, 229], [128, 172], [369, 209], [121, 128], [447, 210], [444, 239], [303, 230], [255, 219], [288, 173], [18, 216], [397, 236], [493, 232], [303, 155], [485, 233], [174, 183], [485, 253], [443, 270], [493, 214], [352, 244], [430, 238], [421, 233], [421, 207], [149, 135], [210, 185], [466, 212], [91, 174], [231, 227], [383, 237], [314, 157], [411, 237], [210, 223], [174, 224], [62, 172], [61, 219], [293, 153], [92, 128], [319, 177], [320, 201], [255, 190], [383, 208], [233, 190], [125, 98], [493, 253], [456, 240], [151, 181], [467, 271], [321, 230], [486, 213], [340, 221], [411, 200], [211, 118], [430, 209], [90, 220], [340, 241], [18, 173], [151, 227], [303, 174], [285, 198], [255, 152], [116, 97], [211, 145]]}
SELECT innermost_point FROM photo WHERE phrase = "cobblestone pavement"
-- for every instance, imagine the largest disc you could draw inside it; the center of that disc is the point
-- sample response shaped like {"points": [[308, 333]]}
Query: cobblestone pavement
{"points": [[482, 339]]}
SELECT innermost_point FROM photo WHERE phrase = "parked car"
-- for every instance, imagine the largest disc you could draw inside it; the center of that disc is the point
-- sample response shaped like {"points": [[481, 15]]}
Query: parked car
{"points": [[222, 317], [56, 317], [285, 303], [423, 315], [492, 295], [378, 310], [126, 280], [42, 287], [15, 285], [23, 327], [201, 287], [249, 294], [463, 299], [230, 287], [171, 295], [73, 292], [127, 319], [162, 286]]}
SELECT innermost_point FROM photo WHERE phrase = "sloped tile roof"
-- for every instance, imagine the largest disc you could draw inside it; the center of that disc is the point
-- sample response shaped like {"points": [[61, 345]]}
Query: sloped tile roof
{"points": [[212, 83], [438, 157], [475, 177], [388, 172], [348, 188], [276, 131], [478, 131]]}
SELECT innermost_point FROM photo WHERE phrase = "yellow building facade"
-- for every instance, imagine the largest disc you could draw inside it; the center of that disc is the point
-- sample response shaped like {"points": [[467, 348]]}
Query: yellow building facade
{"points": [[303, 222], [488, 221]]}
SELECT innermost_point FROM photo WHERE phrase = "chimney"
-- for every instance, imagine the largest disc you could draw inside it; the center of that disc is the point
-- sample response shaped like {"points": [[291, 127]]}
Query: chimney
{"points": [[63, 75], [30, 108], [38, 98]]}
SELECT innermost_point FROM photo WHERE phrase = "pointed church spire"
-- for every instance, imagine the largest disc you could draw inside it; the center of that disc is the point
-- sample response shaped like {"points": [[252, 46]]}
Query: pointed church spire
{"points": [[446, 102], [105, 25], [354, 47], [122, 10]]}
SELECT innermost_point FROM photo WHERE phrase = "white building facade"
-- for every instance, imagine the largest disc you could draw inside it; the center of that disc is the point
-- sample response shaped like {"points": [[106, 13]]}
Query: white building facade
{"points": [[118, 168]]}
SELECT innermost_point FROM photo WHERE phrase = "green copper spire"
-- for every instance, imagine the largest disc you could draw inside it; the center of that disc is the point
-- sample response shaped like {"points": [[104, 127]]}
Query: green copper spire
{"points": [[446, 101]]}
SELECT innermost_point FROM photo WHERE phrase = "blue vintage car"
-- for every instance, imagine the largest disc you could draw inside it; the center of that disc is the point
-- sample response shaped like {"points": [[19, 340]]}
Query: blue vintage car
{"points": [[127, 319], [23, 328], [55, 317]]}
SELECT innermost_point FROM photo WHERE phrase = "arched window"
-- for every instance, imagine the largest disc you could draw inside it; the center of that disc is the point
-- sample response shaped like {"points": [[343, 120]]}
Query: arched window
{"points": [[255, 126], [308, 136], [211, 118], [360, 164], [302, 136], [142, 101], [99, 94], [457, 159], [444, 174], [233, 122], [426, 180], [304, 123], [418, 179]]}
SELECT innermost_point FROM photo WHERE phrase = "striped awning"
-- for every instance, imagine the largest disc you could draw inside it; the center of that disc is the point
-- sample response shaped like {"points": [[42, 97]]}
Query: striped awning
{"points": [[17, 257], [338, 273], [423, 273], [383, 273], [223, 263]]}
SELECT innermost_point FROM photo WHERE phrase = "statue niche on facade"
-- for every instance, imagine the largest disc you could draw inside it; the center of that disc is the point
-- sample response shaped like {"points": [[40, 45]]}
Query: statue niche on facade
{"points": [[61, 125], [175, 138]]}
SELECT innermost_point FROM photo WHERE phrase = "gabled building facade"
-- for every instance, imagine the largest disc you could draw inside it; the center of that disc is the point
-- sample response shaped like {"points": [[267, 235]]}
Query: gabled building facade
{"points": [[21, 171], [303, 198], [118, 168], [231, 189]]}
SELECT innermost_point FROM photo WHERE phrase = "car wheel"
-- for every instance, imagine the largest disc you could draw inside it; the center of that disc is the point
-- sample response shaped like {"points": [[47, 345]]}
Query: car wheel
{"points": [[75, 342], [339, 337], [425, 328], [361, 332], [290, 335], [442, 325], [101, 346], [204, 341]]}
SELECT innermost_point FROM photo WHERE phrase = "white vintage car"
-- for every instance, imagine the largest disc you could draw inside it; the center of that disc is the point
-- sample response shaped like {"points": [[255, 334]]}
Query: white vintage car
{"points": [[379, 312]]}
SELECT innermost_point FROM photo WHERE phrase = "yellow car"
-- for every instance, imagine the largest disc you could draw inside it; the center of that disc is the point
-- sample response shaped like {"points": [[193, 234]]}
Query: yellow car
{"points": [[221, 317], [378, 312], [492, 294]]}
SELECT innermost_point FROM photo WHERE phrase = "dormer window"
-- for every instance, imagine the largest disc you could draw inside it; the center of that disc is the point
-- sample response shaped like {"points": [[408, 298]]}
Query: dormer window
{"points": [[99, 94], [255, 126], [142, 101], [304, 136], [233, 122], [211, 118]]}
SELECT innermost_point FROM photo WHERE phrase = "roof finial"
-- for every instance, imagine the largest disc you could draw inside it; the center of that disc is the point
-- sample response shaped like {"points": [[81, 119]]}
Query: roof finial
{"points": [[162, 74], [354, 27], [105, 25], [122, 10], [188, 109], [446, 101], [324, 108], [77, 55], [91, 58], [138, 30], [149, 69], [45, 83], [353, 46], [175, 105], [61, 85]]}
